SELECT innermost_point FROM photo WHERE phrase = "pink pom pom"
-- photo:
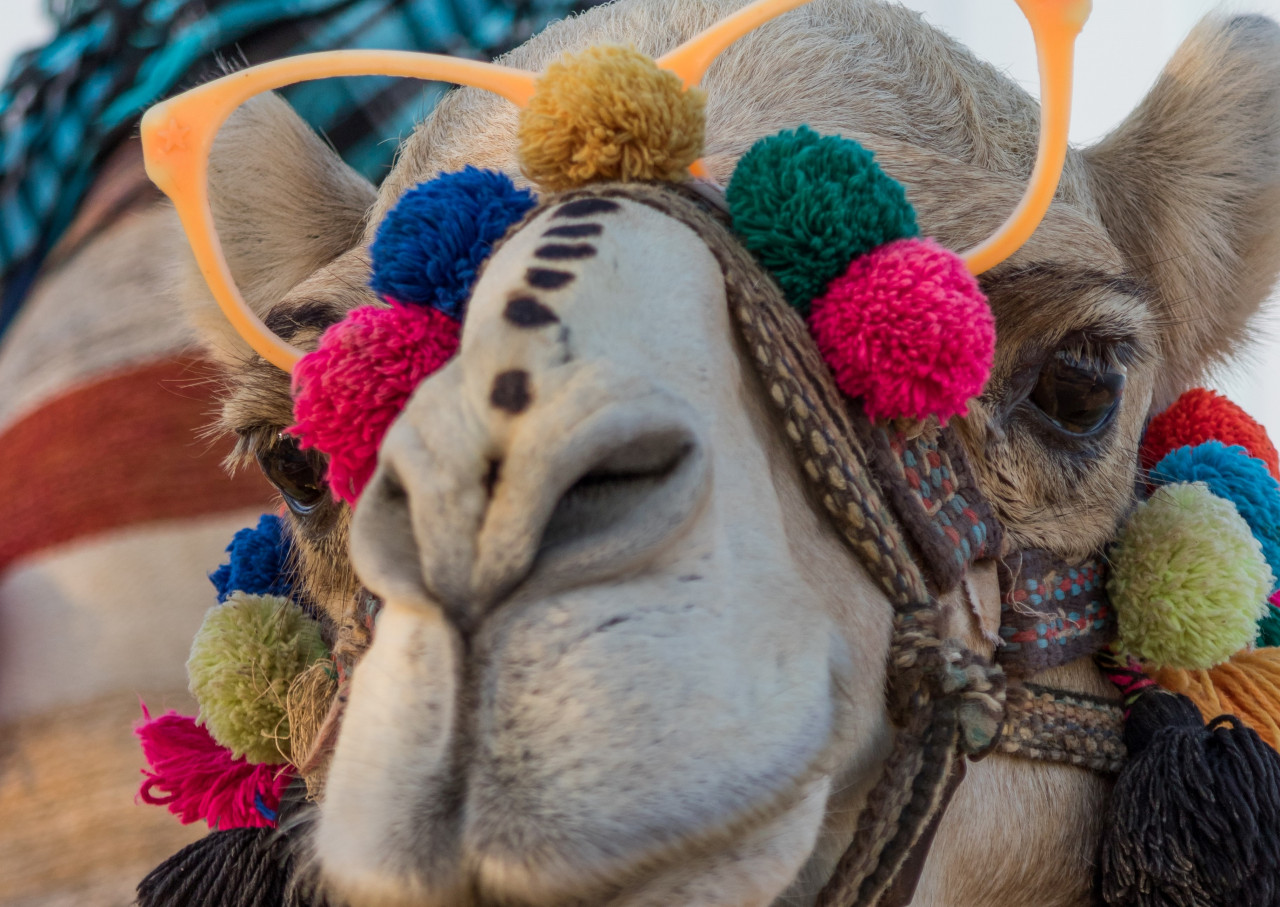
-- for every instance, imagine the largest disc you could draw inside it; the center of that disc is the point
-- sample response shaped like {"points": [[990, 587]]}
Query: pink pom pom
{"points": [[347, 393], [1275, 598], [907, 329], [203, 780]]}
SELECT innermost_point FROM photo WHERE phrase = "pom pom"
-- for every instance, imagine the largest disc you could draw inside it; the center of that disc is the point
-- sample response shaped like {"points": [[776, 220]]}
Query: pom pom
{"points": [[806, 205], [1187, 579], [243, 659], [199, 779], [1232, 474], [240, 867], [430, 246], [1192, 817], [1269, 626], [1201, 415], [350, 389], [907, 329], [259, 561], [609, 113]]}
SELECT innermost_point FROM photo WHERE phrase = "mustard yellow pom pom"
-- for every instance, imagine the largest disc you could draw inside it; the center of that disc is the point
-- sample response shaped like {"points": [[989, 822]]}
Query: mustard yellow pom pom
{"points": [[609, 113], [1188, 580], [243, 660]]}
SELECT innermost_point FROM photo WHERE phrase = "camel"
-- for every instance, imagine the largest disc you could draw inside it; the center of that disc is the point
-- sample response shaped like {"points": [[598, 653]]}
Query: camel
{"points": [[623, 656]]}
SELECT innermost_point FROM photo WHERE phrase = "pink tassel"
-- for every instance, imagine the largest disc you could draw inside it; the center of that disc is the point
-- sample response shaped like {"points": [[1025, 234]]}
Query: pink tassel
{"points": [[200, 779]]}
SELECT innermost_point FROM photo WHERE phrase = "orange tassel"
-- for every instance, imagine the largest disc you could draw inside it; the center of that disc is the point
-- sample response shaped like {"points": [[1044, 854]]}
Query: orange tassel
{"points": [[1247, 686]]}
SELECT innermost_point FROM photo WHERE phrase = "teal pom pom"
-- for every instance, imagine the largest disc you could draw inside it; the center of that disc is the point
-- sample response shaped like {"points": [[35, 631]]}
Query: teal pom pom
{"points": [[1269, 628], [806, 205], [1188, 580], [243, 659], [1232, 474]]}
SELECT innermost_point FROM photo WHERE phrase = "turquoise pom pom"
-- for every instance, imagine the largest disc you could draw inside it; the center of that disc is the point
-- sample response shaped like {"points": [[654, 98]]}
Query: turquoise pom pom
{"points": [[806, 205]]}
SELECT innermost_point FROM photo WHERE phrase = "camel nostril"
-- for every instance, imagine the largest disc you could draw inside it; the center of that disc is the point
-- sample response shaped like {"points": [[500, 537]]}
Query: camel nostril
{"points": [[391, 490], [615, 486]]}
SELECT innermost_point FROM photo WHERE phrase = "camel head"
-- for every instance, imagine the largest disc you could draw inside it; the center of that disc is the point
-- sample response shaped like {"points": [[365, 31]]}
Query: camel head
{"points": [[623, 655]]}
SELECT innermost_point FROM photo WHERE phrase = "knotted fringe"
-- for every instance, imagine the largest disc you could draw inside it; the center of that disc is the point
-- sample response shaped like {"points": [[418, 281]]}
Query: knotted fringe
{"points": [[1195, 815], [240, 867]]}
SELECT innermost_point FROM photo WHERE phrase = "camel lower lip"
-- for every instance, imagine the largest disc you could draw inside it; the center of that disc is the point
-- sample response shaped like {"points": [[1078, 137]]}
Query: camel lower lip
{"points": [[479, 736]]}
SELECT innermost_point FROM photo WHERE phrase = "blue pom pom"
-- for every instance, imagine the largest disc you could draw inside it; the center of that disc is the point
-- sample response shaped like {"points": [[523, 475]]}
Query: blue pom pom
{"points": [[259, 562], [1232, 474], [431, 245]]}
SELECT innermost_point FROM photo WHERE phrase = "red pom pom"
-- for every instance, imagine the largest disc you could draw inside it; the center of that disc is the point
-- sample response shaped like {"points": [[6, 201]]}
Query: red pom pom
{"points": [[907, 329], [347, 393], [1201, 415], [203, 780]]}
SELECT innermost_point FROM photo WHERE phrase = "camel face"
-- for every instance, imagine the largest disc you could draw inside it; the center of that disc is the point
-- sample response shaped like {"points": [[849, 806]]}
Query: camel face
{"points": [[622, 657], [618, 608]]}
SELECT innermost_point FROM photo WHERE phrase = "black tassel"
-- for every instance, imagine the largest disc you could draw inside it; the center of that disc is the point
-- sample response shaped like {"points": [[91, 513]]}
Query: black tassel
{"points": [[1194, 819], [240, 867]]}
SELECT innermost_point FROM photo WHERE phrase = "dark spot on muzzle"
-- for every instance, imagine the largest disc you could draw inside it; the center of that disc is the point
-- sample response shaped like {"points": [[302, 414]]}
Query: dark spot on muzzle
{"points": [[511, 391], [527, 312], [565, 251], [546, 279], [574, 231], [585, 207]]}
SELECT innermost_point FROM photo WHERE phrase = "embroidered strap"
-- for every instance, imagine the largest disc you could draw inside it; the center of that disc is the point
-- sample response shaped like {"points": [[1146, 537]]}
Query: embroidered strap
{"points": [[1051, 612], [925, 474], [882, 864], [1056, 726]]}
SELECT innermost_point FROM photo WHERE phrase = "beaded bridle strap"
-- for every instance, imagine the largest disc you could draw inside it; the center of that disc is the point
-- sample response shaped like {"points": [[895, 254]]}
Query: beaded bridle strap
{"points": [[905, 501]]}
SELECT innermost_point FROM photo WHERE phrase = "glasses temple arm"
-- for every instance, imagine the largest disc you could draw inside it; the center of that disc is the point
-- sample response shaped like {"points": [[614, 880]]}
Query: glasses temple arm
{"points": [[1054, 26], [691, 60]]}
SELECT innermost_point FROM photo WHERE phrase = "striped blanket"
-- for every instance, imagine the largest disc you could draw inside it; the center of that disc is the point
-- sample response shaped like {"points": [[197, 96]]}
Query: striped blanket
{"points": [[117, 507]]}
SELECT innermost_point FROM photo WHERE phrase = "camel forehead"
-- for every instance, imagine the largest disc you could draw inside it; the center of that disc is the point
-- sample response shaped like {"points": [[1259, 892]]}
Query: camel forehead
{"points": [[869, 70], [587, 264]]}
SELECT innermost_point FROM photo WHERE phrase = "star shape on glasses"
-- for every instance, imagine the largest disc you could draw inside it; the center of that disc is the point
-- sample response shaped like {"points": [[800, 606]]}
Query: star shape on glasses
{"points": [[173, 136]]}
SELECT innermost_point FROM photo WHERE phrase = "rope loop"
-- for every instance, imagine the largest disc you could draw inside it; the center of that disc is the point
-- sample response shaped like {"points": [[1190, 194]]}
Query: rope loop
{"points": [[922, 659]]}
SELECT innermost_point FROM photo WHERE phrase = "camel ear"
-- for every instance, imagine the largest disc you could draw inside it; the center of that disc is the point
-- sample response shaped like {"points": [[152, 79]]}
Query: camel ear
{"points": [[1189, 189], [284, 203]]}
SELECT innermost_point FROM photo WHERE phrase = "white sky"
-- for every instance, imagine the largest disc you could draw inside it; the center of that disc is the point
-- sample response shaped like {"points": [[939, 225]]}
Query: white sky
{"points": [[1121, 51]]}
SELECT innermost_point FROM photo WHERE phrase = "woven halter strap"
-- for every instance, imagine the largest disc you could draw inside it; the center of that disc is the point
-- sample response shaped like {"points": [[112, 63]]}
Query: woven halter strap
{"points": [[906, 502]]}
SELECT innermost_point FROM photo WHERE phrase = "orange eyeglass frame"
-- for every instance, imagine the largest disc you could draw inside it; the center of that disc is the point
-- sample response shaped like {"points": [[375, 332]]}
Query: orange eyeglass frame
{"points": [[178, 134]]}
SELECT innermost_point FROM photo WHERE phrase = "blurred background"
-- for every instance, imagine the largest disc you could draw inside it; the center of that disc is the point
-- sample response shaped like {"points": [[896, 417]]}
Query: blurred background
{"points": [[68, 762]]}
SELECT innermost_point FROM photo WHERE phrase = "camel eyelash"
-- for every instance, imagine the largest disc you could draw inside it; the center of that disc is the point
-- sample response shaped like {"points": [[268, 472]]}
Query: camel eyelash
{"points": [[1113, 353]]}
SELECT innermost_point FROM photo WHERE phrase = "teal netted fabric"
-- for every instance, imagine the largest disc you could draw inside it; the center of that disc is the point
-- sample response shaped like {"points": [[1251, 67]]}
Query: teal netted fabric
{"points": [[66, 105]]}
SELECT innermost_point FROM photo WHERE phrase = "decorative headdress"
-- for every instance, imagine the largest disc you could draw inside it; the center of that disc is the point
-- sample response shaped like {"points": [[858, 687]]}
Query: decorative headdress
{"points": [[899, 318]]}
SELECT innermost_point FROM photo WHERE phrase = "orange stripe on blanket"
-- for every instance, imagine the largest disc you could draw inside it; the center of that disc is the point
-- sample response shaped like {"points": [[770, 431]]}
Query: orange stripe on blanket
{"points": [[120, 451]]}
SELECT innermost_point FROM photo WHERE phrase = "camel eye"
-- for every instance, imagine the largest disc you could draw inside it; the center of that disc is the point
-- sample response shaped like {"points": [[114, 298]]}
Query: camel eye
{"points": [[1078, 391], [297, 474]]}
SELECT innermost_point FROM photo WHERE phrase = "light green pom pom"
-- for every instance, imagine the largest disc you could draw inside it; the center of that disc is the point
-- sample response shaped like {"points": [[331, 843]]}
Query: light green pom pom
{"points": [[1188, 580], [242, 661]]}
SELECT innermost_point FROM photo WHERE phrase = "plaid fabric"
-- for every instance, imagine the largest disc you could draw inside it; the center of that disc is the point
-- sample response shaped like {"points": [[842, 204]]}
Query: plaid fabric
{"points": [[66, 105]]}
